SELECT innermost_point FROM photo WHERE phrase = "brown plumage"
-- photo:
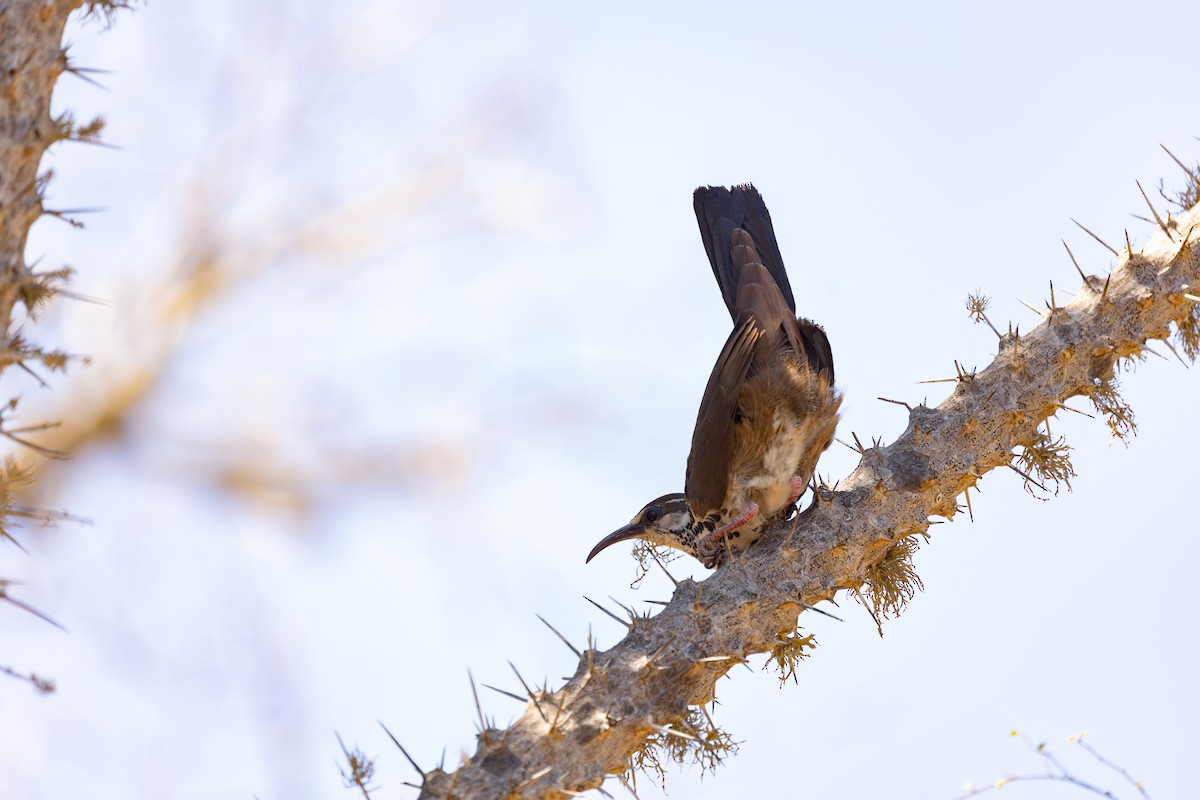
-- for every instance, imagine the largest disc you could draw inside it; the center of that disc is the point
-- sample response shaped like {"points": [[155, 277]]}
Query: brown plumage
{"points": [[769, 409]]}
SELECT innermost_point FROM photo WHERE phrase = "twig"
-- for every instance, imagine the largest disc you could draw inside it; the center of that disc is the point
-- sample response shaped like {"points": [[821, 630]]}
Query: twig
{"points": [[897, 402]]}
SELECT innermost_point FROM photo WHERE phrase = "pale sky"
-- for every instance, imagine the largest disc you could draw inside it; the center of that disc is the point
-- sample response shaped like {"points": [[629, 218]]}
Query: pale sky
{"points": [[466, 325]]}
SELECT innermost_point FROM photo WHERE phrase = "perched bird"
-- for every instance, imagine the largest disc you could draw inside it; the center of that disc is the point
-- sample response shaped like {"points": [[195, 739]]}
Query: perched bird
{"points": [[769, 409]]}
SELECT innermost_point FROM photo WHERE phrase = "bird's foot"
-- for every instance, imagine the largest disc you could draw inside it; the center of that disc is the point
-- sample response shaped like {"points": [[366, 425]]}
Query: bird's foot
{"points": [[798, 487], [791, 508], [711, 548]]}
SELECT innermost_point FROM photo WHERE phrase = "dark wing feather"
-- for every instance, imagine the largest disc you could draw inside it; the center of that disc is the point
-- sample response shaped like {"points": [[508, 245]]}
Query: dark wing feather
{"points": [[712, 440], [816, 347], [758, 296], [718, 212]]}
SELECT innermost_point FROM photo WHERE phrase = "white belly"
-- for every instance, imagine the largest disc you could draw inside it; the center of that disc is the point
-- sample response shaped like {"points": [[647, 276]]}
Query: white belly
{"points": [[772, 487]]}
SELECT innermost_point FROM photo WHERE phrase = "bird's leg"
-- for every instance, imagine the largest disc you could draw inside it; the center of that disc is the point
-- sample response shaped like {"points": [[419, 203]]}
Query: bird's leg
{"points": [[711, 542], [798, 487], [790, 508]]}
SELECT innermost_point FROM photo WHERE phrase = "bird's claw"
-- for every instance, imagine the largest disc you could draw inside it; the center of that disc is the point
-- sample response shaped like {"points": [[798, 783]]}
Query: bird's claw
{"points": [[711, 552]]}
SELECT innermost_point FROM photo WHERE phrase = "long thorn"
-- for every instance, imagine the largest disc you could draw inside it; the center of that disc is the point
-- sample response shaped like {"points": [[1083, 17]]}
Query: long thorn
{"points": [[396, 742], [1053, 302], [591, 651], [557, 713], [970, 511], [986, 400], [671, 731], [1150, 349], [712, 726], [1086, 282], [541, 773], [628, 787], [1094, 236], [43, 514], [560, 636], [787, 543], [4, 595], [1037, 311], [663, 566], [606, 611], [660, 650], [624, 607], [36, 377], [57, 455], [1104, 293], [514, 696], [479, 710], [529, 692], [1183, 245], [1171, 347], [1026, 477], [1186, 170], [1155, 213], [684, 723], [6, 535], [1076, 410], [821, 611]]}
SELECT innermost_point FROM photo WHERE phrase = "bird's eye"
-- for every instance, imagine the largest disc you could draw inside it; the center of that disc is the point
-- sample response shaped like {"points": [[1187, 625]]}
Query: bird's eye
{"points": [[652, 514]]}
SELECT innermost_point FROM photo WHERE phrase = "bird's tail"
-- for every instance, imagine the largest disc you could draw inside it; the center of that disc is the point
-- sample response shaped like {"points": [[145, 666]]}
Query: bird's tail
{"points": [[719, 211], [739, 267]]}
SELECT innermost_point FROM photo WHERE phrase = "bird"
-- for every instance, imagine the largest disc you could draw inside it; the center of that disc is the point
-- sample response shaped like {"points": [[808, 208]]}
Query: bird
{"points": [[770, 407]]}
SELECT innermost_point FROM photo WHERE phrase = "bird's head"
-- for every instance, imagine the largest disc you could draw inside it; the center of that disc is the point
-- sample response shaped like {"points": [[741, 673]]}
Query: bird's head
{"points": [[666, 521]]}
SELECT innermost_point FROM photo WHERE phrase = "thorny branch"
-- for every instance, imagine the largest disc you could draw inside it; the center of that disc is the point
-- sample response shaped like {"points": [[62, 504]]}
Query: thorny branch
{"points": [[622, 701], [32, 58]]}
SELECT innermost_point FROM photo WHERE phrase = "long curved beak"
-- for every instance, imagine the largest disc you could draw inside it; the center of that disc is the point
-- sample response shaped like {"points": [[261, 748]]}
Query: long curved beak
{"points": [[619, 535]]}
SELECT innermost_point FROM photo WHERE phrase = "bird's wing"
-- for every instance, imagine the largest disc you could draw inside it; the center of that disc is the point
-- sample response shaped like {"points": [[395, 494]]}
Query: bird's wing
{"points": [[713, 438], [816, 346]]}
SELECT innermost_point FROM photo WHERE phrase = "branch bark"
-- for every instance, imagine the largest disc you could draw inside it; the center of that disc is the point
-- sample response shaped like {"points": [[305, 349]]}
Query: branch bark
{"points": [[31, 60], [568, 740]]}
